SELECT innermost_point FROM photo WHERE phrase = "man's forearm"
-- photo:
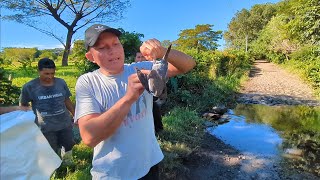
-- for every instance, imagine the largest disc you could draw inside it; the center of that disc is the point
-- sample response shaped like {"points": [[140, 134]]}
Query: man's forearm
{"points": [[98, 127], [13, 108], [181, 61], [8, 109], [69, 106]]}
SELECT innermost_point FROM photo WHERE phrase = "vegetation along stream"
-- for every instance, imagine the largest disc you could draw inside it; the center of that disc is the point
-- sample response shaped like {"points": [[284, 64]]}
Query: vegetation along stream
{"points": [[274, 135]]}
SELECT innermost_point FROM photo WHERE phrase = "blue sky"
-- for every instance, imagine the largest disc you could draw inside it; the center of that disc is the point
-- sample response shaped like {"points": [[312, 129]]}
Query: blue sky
{"points": [[162, 19]]}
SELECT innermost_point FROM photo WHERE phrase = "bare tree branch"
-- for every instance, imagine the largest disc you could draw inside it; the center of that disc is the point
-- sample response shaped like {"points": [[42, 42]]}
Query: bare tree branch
{"points": [[41, 2], [69, 7], [48, 33], [72, 5], [72, 14], [64, 7], [89, 13], [83, 3], [59, 4]]}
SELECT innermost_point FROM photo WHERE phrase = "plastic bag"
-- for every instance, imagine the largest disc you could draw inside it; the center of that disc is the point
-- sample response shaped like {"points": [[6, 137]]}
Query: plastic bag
{"points": [[25, 152]]}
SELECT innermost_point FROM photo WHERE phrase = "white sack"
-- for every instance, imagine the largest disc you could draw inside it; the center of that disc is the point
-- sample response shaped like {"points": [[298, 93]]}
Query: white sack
{"points": [[25, 152]]}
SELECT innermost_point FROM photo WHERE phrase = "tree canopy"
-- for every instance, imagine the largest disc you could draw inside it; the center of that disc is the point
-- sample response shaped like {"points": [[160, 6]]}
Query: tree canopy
{"points": [[247, 24], [303, 20], [202, 37], [71, 14], [131, 42]]}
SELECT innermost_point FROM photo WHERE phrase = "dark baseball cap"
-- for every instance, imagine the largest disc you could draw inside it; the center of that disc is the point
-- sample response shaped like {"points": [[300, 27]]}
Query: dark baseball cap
{"points": [[93, 32]]}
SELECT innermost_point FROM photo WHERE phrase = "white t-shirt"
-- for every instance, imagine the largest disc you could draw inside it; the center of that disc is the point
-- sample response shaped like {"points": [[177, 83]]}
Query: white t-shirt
{"points": [[133, 149]]}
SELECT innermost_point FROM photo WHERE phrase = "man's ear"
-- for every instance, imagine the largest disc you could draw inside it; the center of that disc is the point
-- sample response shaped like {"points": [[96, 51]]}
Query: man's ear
{"points": [[90, 57]]}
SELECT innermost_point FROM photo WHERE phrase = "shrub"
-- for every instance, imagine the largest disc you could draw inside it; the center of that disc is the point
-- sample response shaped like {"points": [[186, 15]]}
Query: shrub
{"points": [[306, 61], [9, 93], [211, 84]]}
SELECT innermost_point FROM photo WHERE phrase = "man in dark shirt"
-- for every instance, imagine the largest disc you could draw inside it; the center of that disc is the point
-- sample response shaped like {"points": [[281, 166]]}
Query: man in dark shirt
{"points": [[49, 97]]}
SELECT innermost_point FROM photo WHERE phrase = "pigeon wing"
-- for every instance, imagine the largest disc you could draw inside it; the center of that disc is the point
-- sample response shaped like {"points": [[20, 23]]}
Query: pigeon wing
{"points": [[143, 79]]}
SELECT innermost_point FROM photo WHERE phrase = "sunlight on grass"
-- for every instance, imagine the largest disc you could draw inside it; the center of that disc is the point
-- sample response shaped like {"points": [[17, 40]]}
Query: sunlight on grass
{"points": [[68, 73], [20, 81], [182, 134]]}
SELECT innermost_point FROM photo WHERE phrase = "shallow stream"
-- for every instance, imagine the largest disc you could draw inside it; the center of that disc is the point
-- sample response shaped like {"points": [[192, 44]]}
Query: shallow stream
{"points": [[289, 134]]}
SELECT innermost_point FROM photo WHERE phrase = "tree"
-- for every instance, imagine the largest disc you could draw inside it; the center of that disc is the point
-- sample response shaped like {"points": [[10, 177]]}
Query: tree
{"points": [[247, 24], [260, 15], [303, 20], [78, 51], [25, 56], [202, 37], [79, 58], [238, 30], [166, 43], [47, 54], [131, 42], [273, 41], [71, 14]]}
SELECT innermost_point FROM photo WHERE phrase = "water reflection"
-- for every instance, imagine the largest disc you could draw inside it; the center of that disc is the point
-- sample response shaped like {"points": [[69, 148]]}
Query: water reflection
{"points": [[282, 118], [249, 137], [268, 130]]}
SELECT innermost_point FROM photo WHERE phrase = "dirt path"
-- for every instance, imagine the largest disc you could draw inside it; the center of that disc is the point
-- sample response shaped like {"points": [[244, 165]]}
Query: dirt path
{"points": [[268, 84]]}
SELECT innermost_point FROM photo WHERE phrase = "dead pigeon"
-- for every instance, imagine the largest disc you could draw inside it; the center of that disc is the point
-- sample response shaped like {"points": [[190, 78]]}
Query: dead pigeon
{"points": [[155, 81]]}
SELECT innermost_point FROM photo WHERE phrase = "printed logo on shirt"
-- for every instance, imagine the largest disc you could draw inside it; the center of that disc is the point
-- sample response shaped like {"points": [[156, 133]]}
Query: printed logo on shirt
{"points": [[141, 106], [55, 113], [131, 119], [50, 96]]}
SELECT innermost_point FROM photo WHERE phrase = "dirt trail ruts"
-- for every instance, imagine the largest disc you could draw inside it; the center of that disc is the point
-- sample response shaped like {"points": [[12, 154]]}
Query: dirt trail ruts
{"points": [[271, 85]]}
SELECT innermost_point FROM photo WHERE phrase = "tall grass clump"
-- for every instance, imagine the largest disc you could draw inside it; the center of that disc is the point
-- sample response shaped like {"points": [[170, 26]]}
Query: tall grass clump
{"points": [[182, 134], [79, 167]]}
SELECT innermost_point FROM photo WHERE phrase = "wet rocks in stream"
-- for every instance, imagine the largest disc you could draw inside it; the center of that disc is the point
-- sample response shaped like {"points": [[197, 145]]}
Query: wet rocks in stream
{"points": [[216, 116]]}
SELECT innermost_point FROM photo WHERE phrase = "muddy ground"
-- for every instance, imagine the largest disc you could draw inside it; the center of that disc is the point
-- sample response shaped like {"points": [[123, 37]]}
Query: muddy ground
{"points": [[270, 85]]}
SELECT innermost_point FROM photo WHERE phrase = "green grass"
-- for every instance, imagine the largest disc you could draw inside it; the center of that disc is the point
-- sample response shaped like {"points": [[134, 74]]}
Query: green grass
{"points": [[182, 134], [80, 166], [68, 73]]}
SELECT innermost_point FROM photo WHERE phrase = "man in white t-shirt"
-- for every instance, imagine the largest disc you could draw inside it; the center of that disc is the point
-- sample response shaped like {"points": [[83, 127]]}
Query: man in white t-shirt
{"points": [[113, 110]]}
